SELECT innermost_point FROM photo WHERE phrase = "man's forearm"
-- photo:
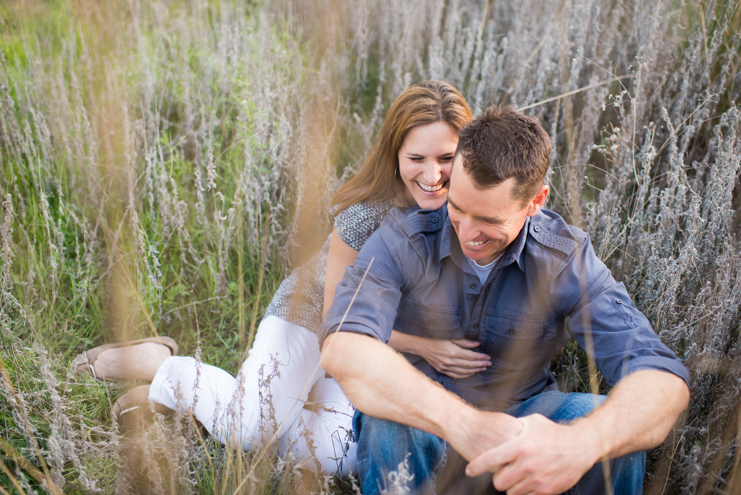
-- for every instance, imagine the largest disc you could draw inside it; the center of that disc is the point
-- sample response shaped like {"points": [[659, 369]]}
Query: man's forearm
{"points": [[381, 383], [638, 414]]}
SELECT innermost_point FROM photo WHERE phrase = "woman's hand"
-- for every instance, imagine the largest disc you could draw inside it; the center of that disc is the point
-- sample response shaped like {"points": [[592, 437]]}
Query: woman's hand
{"points": [[452, 358]]}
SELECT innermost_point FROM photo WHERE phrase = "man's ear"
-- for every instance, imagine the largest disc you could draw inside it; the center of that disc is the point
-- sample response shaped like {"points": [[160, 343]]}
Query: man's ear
{"points": [[538, 201]]}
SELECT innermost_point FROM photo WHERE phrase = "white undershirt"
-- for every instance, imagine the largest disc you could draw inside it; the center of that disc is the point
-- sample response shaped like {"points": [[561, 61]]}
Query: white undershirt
{"points": [[482, 271]]}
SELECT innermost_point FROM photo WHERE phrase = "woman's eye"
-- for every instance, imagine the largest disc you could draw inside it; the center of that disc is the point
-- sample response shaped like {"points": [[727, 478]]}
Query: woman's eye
{"points": [[417, 159], [446, 159]]}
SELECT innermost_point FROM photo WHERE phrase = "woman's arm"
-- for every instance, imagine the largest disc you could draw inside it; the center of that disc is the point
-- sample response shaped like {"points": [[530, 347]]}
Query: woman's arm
{"points": [[339, 257], [450, 357]]}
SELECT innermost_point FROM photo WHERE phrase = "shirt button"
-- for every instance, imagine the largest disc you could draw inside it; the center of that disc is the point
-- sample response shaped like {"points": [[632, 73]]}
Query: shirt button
{"points": [[536, 228], [511, 331], [619, 301], [475, 325], [473, 286], [434, 220]]}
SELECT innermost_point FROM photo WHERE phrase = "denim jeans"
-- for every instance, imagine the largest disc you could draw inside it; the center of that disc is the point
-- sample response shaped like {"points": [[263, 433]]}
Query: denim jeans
{"points": [[430, 467]]}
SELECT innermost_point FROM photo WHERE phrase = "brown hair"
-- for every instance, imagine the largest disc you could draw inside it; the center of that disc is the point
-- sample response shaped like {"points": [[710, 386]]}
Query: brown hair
{"points": [[420, 104], [502, 143]]}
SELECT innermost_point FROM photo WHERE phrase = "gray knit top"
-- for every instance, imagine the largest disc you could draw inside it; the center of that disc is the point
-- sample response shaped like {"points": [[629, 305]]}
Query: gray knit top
{"points": [[300, 297]]}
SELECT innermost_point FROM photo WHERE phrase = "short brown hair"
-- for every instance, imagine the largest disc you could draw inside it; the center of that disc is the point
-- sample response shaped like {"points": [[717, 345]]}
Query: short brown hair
{"points": [[502, 143], [420, 104]]}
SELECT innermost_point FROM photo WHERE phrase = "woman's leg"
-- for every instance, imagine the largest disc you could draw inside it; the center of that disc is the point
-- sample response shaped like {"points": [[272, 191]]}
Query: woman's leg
{"points": [[183, 383], [267, 396], [321, 439]]}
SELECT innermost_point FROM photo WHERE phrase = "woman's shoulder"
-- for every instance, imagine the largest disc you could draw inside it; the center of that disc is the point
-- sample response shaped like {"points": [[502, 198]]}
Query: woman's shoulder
{"points": [[364, 210], [357, 222]]}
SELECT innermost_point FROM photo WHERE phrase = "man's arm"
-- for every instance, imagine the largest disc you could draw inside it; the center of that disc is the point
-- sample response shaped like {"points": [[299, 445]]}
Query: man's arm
{"points": [[637, 415], [650, 388], [381, 383]]}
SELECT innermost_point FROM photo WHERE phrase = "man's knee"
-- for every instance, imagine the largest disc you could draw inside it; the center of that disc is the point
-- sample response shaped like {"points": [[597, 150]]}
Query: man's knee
{"points": [[382, 436], [390, 453], [577, 405], [558, 406]]}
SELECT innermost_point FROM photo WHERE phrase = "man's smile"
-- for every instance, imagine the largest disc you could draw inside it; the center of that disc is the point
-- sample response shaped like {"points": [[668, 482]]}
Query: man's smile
{"points": [[476, 243]]}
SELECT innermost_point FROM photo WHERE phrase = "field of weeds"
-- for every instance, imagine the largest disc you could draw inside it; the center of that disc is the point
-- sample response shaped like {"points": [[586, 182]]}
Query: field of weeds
{"points": [[163, 165]]}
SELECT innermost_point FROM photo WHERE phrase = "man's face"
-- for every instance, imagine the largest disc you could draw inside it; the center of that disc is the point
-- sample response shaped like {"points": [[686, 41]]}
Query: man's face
{"points": [[487, 220]]}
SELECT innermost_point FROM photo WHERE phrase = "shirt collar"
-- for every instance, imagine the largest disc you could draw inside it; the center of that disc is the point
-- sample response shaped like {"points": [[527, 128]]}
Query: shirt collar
{"points": [[515, 250], [447, 236], [450, 246]]}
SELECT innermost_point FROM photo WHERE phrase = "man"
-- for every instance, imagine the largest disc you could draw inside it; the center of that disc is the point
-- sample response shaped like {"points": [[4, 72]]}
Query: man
{"points": [[494, 267]]}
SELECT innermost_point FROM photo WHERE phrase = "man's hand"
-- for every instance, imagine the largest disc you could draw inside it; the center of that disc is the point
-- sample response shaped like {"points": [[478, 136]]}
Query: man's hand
{"points": [[550, 458], [545, 458]]}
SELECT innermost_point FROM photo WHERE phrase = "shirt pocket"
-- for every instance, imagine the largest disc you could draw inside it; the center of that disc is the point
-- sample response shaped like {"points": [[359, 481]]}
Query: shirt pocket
{"points": [[514, 343], [438, 322]]}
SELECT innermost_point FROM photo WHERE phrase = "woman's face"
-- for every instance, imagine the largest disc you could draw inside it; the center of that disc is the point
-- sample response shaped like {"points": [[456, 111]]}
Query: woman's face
{"points": [[425, 159]]}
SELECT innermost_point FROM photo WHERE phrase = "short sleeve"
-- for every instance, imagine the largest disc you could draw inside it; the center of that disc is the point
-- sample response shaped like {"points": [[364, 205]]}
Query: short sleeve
{"points": [[357, 222], [605, 319], [367, 298]]}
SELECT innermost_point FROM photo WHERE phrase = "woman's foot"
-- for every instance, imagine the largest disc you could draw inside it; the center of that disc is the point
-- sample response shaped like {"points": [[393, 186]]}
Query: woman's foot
{"points": [[134, 409], [136, 360]]}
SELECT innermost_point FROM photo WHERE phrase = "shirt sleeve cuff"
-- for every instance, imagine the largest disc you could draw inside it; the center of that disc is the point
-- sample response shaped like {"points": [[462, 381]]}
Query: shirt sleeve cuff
{"points": [[673, 366], [358, 326]]}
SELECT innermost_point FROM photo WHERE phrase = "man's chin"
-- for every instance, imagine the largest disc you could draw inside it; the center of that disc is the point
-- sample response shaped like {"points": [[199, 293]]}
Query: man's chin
{"points": [[477, 255]]}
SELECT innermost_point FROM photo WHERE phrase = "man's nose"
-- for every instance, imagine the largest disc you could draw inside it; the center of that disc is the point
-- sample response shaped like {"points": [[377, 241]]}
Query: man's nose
{"points": [[467, 229]]}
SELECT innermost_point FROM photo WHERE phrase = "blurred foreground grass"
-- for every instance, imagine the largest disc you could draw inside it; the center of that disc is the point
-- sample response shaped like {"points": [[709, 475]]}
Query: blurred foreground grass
{"points": [[163, 164]]}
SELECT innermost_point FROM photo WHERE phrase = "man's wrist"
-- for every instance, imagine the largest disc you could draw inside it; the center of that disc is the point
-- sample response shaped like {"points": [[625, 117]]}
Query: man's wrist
{"points": [[588, 433], [471, 431]]}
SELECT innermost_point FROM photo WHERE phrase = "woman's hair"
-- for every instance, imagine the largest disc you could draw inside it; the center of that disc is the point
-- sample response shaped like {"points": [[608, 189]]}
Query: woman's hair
{"points": [[420, 104]]}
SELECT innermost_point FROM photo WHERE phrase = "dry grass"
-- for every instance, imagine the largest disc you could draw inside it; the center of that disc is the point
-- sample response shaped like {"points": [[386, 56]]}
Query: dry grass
{"points": [[164, 163]]}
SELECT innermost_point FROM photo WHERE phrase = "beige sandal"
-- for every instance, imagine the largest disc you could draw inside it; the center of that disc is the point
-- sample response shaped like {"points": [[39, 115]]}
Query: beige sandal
{"points": [[84, 363], [134, 409]]}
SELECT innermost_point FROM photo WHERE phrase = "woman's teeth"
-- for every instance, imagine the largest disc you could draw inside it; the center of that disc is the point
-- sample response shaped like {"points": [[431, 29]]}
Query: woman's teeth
{"points": [[430, 188], [475, 243]]}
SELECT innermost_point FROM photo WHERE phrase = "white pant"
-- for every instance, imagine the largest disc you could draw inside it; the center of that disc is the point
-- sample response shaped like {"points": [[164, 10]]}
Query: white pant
{"points": [[264, 406]]}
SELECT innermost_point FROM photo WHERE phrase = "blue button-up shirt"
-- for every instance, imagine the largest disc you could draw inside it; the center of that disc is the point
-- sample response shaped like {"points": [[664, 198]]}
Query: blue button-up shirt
{"points": [[418, 281]]}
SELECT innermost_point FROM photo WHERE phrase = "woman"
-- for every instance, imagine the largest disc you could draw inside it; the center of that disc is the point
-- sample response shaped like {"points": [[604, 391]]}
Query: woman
{"points": [[281, 397]]}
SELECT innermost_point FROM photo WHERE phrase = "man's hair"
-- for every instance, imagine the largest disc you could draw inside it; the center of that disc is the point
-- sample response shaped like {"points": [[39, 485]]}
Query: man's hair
{"points": [[502, 143]]}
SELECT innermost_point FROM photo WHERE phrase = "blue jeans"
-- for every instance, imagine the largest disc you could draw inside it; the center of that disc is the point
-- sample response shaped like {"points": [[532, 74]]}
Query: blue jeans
{"points": [[431, 467]]}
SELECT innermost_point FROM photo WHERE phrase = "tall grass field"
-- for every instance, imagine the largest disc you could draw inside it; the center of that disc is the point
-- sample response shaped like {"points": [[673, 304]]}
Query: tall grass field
{"points": [[165, 163]]}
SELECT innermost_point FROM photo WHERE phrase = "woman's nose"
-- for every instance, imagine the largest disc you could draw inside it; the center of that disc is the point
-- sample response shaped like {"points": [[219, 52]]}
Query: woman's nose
{"points": [[432, 172]]}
